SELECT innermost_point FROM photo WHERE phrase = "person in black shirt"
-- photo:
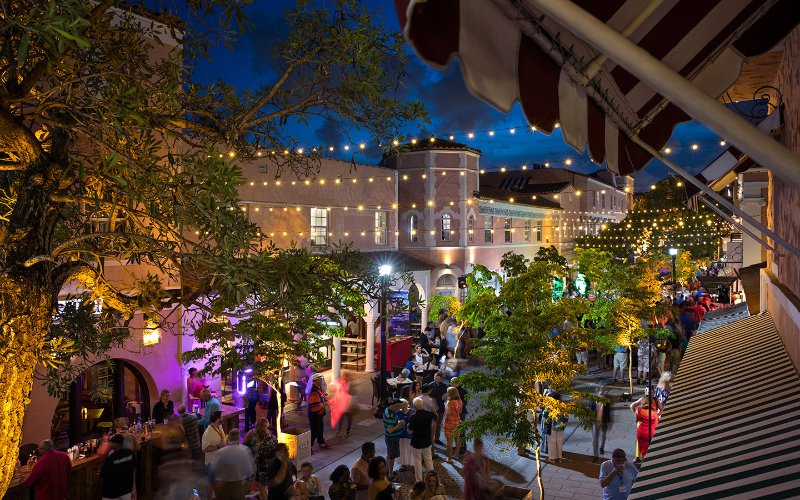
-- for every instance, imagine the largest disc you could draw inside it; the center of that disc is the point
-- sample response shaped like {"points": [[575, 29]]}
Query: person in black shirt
{"points": [[281, 473], [421, 428], [438, 391], [117, 470], [164, 408]]}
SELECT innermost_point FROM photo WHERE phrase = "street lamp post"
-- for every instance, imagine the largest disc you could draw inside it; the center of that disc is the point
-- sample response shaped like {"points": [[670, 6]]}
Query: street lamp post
{"points": [[673, 252], [385, 272]]}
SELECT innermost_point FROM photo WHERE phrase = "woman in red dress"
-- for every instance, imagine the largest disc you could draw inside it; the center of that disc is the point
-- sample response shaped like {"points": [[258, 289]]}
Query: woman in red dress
{"points": [[647, 420]]}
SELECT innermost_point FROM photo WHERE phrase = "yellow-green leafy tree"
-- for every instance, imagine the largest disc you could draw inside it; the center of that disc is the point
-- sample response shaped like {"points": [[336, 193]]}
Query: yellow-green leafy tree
{"points": [[521, 352], [111, 151]]}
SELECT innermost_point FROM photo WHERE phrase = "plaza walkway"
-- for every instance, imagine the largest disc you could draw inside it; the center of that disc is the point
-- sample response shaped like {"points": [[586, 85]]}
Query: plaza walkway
{"points": [[576, 478]]}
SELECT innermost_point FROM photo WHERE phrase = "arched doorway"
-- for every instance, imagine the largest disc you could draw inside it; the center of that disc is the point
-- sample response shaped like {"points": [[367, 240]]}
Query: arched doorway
{"points": [[103, 392]]}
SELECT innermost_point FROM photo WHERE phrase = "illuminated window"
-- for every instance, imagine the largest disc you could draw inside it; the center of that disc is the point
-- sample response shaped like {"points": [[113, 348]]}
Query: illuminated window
{"points": [[447, 224], [538, 230], [488, 223], [507, 226], [527, 231], [319, 227], [413, 223], [381, 227], [470, 229]]}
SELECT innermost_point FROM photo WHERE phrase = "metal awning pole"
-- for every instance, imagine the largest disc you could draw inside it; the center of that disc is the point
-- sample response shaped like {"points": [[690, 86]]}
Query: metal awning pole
{"points": [[739, 225], [673, 86], [716, 196]]}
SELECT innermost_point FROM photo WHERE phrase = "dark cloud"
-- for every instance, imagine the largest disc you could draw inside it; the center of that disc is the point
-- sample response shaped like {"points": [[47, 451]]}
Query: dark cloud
{"points": [[452, 104], [268, 29]]}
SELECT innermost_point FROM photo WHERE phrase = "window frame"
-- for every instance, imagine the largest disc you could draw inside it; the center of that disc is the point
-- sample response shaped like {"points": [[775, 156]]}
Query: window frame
{"points": [[508, 224], [381, 236], [446, 231], [315, 228], [470, 229], [413, 228], [488, 229], [527, 231]]}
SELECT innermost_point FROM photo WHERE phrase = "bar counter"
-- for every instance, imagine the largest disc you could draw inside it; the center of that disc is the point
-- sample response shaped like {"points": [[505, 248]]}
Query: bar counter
{"points": [[84, 481]]}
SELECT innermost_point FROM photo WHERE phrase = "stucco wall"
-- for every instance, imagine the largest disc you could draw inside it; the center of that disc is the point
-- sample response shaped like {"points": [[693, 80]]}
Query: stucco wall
{"points": [[784, 200]]}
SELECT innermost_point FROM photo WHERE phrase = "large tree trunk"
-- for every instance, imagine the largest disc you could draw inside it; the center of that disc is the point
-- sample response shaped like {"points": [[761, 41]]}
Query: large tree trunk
{"points": [[25, 318]]}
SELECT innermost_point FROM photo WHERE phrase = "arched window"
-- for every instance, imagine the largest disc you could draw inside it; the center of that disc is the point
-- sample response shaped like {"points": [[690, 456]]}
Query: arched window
{"points": [[446, 281], [447, 227]]}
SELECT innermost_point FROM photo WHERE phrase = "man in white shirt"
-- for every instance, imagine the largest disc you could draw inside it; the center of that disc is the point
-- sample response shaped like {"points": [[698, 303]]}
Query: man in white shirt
{"points": [[232, 466], [359, 470]]}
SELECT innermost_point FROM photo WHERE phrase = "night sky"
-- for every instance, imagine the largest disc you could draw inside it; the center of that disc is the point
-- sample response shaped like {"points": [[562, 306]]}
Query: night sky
{"points": [[453, 109]]}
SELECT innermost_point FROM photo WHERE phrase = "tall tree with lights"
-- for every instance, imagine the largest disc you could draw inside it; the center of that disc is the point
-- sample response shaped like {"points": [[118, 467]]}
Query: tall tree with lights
{"points": [[111, 153], [659, 219]]}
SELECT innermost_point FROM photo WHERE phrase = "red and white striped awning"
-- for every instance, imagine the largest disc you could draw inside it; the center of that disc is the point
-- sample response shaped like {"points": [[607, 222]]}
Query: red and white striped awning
{"points": [[511, 52]]}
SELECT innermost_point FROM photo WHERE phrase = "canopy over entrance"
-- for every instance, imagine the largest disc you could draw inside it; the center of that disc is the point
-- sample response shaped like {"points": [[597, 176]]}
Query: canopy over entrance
{"points": [[732, 423], [516, 50]]}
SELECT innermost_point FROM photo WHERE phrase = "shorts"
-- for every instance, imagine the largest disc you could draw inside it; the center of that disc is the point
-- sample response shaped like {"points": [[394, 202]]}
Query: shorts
{"points": [[392, 446], [621, 360]]}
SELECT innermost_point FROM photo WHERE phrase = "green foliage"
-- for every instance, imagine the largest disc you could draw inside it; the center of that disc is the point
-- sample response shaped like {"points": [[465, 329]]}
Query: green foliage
{"points": [[520, 351], [660, 219], [450, 304], [513, 264], [550, 254]]}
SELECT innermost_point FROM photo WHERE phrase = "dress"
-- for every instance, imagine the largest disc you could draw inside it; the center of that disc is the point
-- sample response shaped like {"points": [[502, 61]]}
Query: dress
{"points": [[648, 421], [264, 455], [475, 468], [453, 417]]}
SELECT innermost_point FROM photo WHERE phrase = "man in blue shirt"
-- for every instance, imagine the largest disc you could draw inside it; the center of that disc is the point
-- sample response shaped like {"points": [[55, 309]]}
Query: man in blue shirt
{"points": [[212, 405], [393, 427], [617, 476]]}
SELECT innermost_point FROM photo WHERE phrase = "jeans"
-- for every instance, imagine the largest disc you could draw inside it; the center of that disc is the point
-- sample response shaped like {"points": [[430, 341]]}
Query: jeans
{"points": [[598, 434], [316, 422], [418, 455]]}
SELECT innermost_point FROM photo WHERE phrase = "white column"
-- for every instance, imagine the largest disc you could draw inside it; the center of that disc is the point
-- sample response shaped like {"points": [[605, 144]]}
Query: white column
{"points": [[336, 361], [370, 352], [423, 318]]}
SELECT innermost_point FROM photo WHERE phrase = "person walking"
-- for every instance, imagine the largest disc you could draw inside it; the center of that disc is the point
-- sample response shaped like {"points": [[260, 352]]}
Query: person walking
{"points": [[647, 420], [476, 473], [393, 427], [601, 423], [663, 388], [421, 427], [191, 429], [452, 417], [117, 471], [232, 466], [617, 476], [316, 400], [49, 477], [251, 403]]}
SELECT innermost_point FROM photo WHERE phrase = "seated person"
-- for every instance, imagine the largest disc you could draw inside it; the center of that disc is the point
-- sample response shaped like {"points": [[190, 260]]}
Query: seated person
{"points": [[403, 377]]}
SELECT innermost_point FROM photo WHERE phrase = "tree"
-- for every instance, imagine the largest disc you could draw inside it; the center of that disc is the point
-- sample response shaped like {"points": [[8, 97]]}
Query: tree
{"points": [[626, 295], [660, 219], [110, 152], [301, 299], [521, 352]]}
